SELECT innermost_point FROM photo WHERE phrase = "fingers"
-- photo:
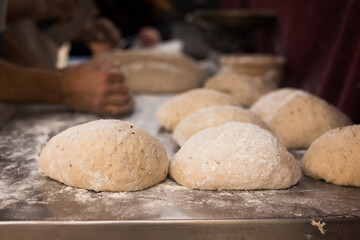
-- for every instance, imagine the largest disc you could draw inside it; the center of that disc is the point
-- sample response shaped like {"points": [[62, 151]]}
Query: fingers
{"points": [[116, 109], [117, 100], [116, 78], [108, 66], [102, 65], [118, 88], [108, 30]]}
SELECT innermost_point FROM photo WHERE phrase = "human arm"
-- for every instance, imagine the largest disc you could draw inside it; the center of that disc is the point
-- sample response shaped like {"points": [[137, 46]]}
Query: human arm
{"points": [[85, 87], [100, 34], [15, 52]]}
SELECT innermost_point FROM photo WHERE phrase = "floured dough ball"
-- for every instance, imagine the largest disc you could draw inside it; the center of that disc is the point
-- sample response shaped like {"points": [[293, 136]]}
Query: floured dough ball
{"points": [[234, 156], [156, 71], [213, 117], [335, 157], [171, 112], [296, 117], [105, 155], [245, 88]]}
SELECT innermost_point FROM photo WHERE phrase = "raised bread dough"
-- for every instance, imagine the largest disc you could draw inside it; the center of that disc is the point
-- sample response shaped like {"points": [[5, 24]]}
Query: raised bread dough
{"points": [[245, 88], [156, 71], [171, 112], [335, 157], [234, 156], [296, 117], [105, 155], [213, 117]]}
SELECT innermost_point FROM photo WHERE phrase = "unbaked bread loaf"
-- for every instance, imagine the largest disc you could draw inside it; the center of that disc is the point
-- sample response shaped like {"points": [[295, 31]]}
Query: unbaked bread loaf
{"points": [[296, 117], [335, 157], [105, 155], [171, 112], [213, 117], [157, 71], [234, 156], [245, 88]]}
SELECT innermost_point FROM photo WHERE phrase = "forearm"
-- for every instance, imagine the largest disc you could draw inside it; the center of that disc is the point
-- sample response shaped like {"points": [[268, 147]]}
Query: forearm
{"points": [[24, 85], [16, 53]]}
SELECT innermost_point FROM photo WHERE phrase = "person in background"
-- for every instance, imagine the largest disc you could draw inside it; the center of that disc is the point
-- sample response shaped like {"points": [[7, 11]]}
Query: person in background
{"points": [[321, 43], [149, 20], [88, 87], [37, 28]]}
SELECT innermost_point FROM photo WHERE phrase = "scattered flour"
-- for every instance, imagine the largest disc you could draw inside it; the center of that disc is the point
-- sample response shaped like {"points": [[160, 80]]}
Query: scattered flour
{"points": [[25, 194]]}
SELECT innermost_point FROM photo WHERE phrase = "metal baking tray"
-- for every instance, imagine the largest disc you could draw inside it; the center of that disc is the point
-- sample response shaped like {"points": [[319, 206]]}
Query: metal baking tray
{"points": [[33, 206]]}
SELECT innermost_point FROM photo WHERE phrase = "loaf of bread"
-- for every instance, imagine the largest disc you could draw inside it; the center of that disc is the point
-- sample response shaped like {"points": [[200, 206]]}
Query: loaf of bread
{"points": [[213, 117], [245, 88], [156, 71], [234, 156], [296, 117], [105, 155], [171, 112], [335, 157]]}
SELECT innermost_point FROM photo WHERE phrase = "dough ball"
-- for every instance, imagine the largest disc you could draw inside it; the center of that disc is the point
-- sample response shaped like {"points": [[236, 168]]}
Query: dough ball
{"points": [[157, 72], [105, 155], [296, 117], [245, 88], [335, 157], [171, 112], [234, 156], [213, 117]]}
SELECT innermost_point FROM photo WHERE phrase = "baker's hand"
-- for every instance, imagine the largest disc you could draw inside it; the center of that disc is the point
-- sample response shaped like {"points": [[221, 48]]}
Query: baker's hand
{"points": [[101, 35], [149, 36], [93, 87]]}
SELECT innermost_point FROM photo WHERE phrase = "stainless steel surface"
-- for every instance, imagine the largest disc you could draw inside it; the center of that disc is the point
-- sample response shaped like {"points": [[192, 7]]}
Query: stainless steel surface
{"points": [[35, 206]]}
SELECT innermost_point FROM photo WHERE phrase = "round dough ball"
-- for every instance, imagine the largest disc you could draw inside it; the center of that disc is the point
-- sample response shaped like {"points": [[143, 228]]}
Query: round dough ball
{"points": [[335, 157], [171, 112], [213, 117], [245, 88], [105, 155], [157, 71], [296, 117], [234, 156]]}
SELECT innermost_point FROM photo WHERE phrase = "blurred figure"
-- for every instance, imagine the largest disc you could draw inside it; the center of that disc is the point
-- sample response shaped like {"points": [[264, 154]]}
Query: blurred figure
{"points": [[42, 26], [88, 87], [321, 43], [148, 19]]}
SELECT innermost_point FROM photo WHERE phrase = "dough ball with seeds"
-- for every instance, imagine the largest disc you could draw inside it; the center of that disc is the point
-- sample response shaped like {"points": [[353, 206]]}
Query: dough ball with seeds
{"points": [[234, 156], [296, 117], [105, 155], [157, 71], [213, 117], [245, 88], [335, 157], [171, 112]]}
